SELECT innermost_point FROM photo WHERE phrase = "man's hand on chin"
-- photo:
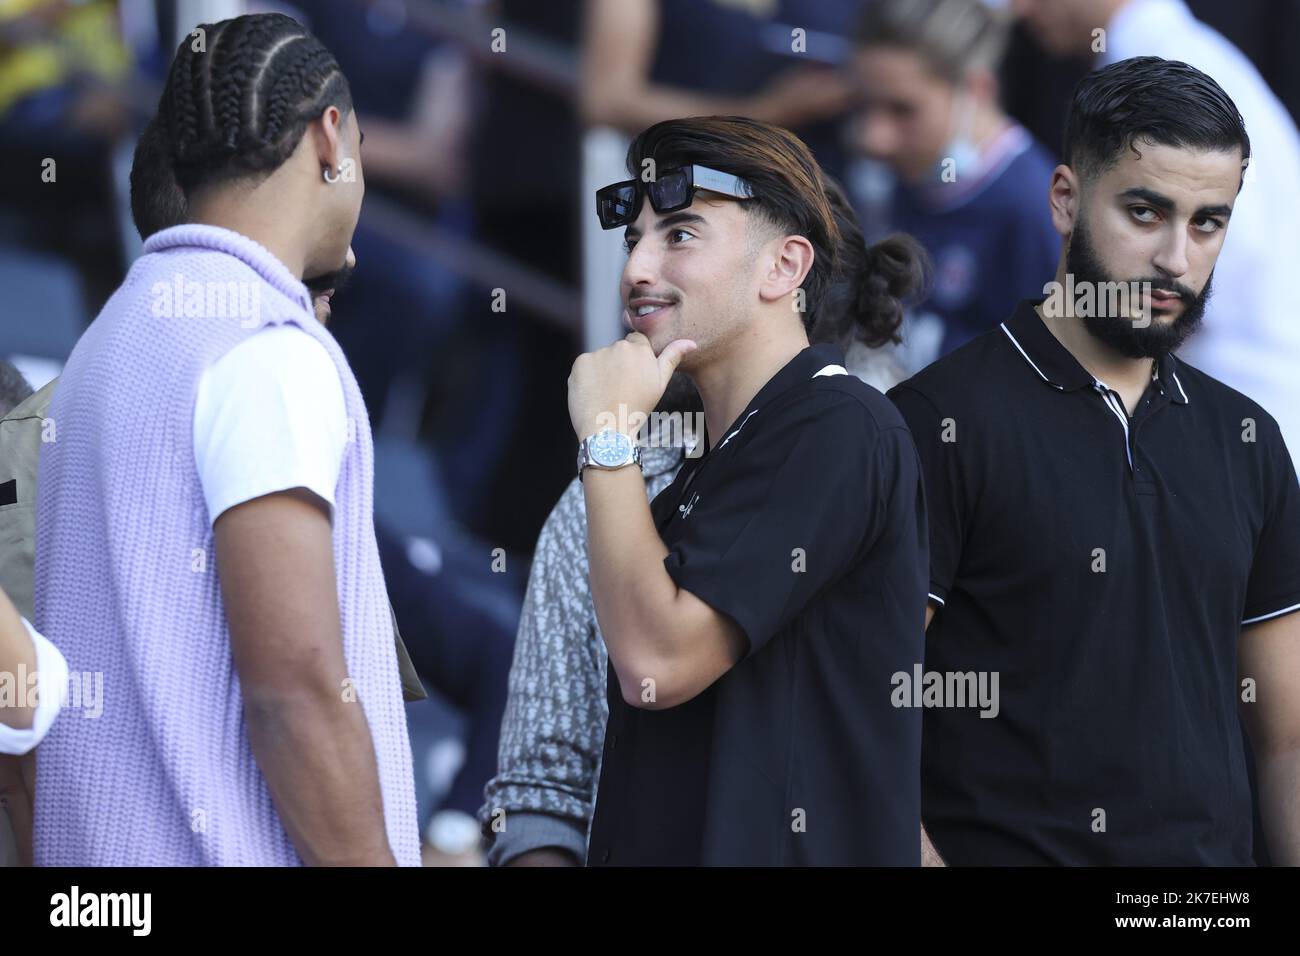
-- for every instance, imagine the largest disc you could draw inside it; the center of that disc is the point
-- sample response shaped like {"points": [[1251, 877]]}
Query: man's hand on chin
{"points": [[617, 386]]}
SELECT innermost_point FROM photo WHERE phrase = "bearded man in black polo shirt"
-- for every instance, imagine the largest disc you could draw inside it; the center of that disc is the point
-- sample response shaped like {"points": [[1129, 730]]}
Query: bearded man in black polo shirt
{"points": [[755, 611], [1113, 533]]}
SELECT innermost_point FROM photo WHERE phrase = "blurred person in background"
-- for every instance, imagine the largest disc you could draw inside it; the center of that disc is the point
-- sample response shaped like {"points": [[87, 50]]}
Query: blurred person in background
{"points": [[418, 101], [651, 60], [278, 492], [64, 107], [480, 155], [1266, 32], [462, 647], [553, 731], [504, 377], [1250, 339], [963, 178], [1037, 85], [61, 64]]}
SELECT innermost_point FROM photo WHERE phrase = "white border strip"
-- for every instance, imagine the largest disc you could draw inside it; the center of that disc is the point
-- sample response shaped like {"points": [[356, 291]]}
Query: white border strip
{"points": [[1181, 389], [831, 370], [1265, 617], [935, 597], [1004, 328], [738, 428], [1112, 403]]}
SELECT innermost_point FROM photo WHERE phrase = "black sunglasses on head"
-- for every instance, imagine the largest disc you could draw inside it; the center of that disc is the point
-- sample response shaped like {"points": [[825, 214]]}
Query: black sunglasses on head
{"points": [[620, 203]]}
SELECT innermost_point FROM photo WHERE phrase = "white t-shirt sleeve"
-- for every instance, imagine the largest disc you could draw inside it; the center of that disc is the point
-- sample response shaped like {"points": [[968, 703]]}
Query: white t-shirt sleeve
{"points": [[269, 415], [52, 684]]}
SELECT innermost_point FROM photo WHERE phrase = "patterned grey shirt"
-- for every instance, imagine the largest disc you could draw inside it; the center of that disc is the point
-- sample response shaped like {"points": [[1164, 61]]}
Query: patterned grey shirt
{"points": [[553, 731]]}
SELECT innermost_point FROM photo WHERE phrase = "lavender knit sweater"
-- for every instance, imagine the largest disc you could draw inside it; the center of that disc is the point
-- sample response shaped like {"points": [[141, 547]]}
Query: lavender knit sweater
{"points": [[126, 582]]}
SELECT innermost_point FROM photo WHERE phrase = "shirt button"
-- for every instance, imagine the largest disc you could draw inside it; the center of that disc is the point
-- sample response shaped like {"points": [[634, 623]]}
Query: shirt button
{"points": [[613, 741], [604, 857]]}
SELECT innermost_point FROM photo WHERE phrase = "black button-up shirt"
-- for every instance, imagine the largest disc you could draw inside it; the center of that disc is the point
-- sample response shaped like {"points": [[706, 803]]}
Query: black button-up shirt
{"points": [[1103, 566], [806, 525]]}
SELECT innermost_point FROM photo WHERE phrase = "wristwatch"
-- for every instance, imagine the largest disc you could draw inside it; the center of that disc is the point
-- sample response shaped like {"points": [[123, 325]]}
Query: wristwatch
{"points": [[607, 449]]}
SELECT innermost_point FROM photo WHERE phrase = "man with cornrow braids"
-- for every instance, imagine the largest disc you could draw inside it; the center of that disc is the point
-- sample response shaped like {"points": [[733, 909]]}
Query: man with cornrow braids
{"points": [[212, 551]]}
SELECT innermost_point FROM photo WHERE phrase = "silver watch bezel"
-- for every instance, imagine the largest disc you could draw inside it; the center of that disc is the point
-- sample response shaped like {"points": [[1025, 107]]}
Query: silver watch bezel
{"points": [[586, 459]]}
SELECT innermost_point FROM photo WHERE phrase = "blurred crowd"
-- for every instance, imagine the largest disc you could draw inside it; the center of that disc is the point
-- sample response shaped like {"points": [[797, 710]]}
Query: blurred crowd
{"points": [[486, 122]]}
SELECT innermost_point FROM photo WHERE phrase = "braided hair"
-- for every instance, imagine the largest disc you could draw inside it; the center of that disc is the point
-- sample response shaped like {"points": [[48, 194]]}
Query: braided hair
{"points": [[235, 107]]}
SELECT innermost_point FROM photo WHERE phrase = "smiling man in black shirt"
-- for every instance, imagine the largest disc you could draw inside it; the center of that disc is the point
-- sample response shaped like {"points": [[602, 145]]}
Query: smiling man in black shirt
{"points": [[1113, 532], [755, 613]]}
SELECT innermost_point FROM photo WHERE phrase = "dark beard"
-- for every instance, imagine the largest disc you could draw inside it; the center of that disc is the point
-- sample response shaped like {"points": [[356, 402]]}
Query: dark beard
{"points": [[1158, 338]]}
